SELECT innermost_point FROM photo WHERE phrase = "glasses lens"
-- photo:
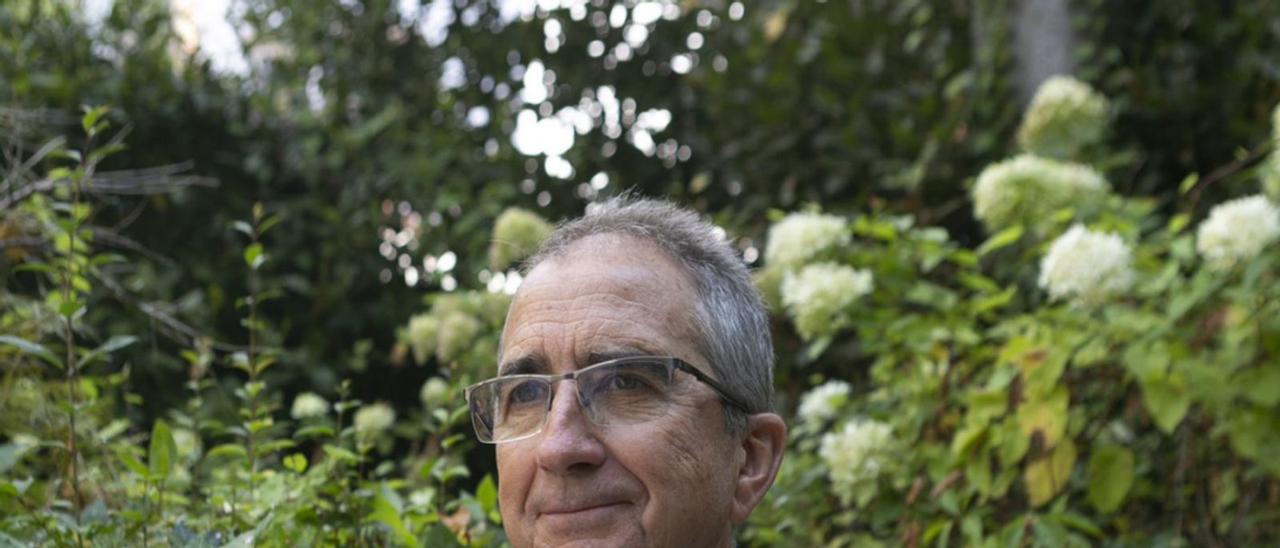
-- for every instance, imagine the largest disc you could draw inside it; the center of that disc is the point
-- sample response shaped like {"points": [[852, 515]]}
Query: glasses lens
{"points": [[626, 393], [509, 408]]}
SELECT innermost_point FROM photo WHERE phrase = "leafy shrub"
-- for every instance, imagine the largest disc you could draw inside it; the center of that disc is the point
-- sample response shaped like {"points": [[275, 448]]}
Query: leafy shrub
{"points": [[1131, 395], [73, 472]]}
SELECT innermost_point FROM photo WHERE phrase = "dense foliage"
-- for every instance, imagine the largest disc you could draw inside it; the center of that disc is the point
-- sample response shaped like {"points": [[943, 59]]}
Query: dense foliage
{"points": [[239, 306]]}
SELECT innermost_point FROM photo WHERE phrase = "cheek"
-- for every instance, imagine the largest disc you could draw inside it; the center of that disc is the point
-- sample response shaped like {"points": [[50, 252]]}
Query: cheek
{"points": [[514, 476], [689, 469]]}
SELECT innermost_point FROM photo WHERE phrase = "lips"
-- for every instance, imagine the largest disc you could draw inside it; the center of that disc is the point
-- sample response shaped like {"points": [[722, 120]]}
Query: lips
{"points": [[559, 510]]}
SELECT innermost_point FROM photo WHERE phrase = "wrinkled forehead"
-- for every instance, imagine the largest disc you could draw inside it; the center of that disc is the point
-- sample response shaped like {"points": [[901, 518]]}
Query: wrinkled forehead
{"points": [[603, 295]]}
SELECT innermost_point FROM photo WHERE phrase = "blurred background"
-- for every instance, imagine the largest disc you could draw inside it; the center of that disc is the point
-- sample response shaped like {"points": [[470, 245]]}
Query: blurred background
{"points": [[388, 136], [382, 139]]}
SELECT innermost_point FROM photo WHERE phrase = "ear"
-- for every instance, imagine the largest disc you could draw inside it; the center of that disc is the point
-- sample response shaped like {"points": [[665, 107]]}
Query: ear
{"points": [[761, 447]]}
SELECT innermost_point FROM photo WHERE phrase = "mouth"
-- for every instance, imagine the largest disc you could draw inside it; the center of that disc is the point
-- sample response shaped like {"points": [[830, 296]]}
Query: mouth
{"points": [[582, 511]]}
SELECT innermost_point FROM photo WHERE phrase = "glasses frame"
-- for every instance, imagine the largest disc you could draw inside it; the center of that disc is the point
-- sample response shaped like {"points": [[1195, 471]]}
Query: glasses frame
{"points": [[674, 363]]}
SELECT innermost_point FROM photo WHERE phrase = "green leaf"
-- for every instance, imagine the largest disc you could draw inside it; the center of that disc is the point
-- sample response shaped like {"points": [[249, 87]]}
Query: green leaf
{"points": [[1078, 522], [487, 494], [439, 536], [227, 451], [816, 349], [243, 227], [161, 454], [966, 438], [1261, 385], [11, 454], [1002, 239], [132, 463], [340, 454], [114, 343], [995, 301], [1110, 477], [268, 224], [32, 349], [102, 152], [317, 431], [89, 122], [1253, 433], [1167, 400], [253, 255], [978, 473], [64, 173], [70, 308], [1048, 533], [386, 510], [273, 446], [1188, 183], [296, 462]]}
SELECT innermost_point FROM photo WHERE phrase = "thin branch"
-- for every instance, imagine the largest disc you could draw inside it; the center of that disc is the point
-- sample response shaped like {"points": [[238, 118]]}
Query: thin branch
{"points": [[1222, 172], [113, 238], [24, 167], [131, 217], [131, 182], [164, 317]]}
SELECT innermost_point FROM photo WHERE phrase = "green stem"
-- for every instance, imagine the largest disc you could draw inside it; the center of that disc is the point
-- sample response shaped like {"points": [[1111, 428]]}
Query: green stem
{"points": [[73, 367]]}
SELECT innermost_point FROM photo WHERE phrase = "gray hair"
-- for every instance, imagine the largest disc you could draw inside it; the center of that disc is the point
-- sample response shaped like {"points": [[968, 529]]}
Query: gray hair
{"points": [[731, 324]]}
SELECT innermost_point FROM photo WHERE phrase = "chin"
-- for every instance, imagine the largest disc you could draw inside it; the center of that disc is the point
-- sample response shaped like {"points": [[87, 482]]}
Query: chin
{"points": [[609, 526]]}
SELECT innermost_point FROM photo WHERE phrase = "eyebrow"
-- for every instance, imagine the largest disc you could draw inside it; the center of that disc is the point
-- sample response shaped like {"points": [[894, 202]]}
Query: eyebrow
{"points": [[524, 365]]}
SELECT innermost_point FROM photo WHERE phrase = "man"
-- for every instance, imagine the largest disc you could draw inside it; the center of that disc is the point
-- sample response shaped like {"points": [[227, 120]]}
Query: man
{"points": [[632, 405]]}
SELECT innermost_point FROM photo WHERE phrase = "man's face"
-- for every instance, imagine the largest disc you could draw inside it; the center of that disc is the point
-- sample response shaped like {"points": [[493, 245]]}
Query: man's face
{"points": [[667, 482]]}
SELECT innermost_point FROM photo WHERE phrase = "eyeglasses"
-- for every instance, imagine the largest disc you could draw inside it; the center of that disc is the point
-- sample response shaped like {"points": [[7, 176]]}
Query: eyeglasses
{"points": [[624, 391]]}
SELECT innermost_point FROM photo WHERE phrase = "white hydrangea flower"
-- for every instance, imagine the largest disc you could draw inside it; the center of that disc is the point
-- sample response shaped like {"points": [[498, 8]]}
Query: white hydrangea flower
{"points": [[817, 294], [434, 392], [1086, 267], [421, 333], [1064, 116], [855, 455], [308, 405], [1028, 189], [801, 236], [375, 418], [823, 402], [1238, 230], [516, 234], [456, 333]]}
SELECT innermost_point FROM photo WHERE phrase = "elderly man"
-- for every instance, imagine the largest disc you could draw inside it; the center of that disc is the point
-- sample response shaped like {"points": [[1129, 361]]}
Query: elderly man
{"points": [[632, 403]]}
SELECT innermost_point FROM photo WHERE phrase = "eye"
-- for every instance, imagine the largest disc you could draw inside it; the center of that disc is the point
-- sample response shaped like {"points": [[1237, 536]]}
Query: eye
{"points": [[527, 392], [623, 382]]}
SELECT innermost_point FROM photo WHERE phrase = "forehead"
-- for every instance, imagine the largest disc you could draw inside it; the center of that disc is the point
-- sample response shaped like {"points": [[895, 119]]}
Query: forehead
{"points": [[605, 295]]}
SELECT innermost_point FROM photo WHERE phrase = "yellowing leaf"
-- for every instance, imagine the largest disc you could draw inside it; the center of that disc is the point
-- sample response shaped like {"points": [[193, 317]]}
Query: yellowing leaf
{"points": [[1045, 477], [1048, 417], [776, 24]]}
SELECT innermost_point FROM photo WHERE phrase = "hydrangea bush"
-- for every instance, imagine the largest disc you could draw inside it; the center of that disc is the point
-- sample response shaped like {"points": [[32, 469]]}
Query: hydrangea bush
{"points": [[1091, 374]]}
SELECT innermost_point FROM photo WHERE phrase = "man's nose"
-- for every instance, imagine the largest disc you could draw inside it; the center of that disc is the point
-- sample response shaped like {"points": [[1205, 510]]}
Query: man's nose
{"points": [[568, 443]]}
